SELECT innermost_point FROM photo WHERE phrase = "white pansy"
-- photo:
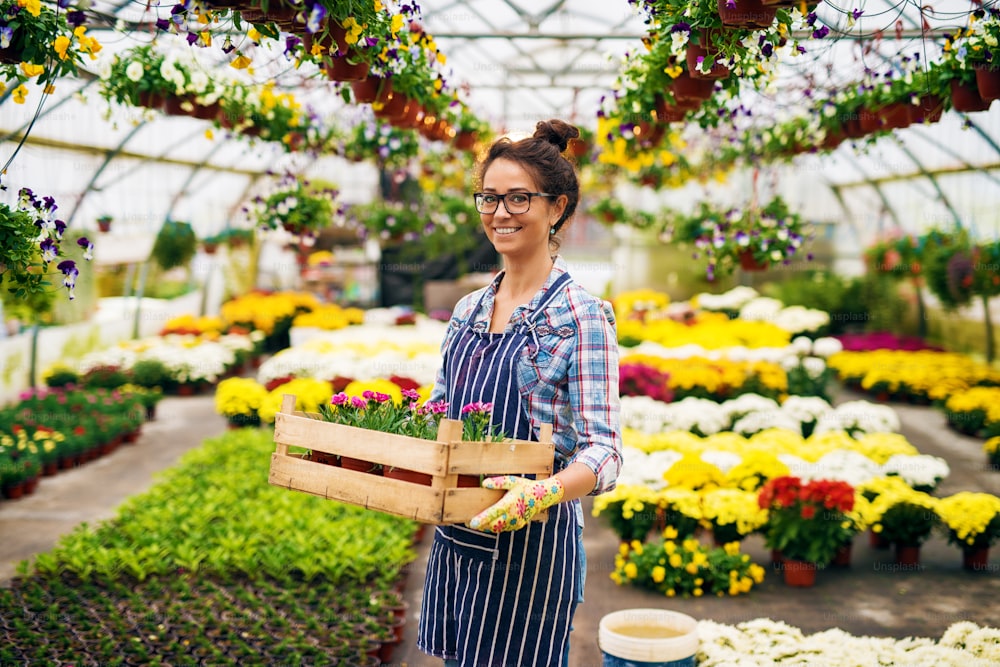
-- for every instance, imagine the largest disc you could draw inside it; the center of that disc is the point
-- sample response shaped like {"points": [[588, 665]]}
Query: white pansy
{"points": [[134, 71]]}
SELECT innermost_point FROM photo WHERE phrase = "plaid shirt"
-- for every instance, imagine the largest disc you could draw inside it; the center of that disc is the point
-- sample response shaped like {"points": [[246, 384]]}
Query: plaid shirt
{"points": [[567, 374]]}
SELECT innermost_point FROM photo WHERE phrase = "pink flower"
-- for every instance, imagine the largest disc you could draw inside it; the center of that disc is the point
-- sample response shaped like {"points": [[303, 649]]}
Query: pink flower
{"points": [[380, 397], [410, 394], [478, 406], [358, 402], [339, 399]]}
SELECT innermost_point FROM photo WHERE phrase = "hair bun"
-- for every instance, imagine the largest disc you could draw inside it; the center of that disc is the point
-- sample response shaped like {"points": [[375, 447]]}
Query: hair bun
{"points": [[556, 132]]}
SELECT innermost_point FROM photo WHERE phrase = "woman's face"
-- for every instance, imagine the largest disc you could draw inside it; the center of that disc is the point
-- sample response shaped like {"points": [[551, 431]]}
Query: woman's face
{"points": [[523, 233]]}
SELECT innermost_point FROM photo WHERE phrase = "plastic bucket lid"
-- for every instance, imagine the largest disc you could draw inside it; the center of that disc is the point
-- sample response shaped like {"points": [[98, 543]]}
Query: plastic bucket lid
{"points": [[654, 649]]}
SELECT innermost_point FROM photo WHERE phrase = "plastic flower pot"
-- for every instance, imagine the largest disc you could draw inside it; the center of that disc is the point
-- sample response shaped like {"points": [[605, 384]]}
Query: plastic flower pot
{"points": [[977, 560], [704, 51], [466, 140], [894, 115], [684, 87], [798, 573], [927, 110]]}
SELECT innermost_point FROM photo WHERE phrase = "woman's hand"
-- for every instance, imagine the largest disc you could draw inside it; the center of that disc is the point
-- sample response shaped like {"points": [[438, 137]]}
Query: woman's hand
{"points": [[524, 499]]}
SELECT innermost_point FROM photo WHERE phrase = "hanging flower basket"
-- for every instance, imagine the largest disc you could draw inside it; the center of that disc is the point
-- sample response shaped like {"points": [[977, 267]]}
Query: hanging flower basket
{"points": [[466, 141], [928, 110], [104, 224], [372, 89], [746, 14], [393, 108], [340, 68], [151, 100], [988, 82], [894, 115], [703, 51], [966, 98], [687, 88], [749, 263]]}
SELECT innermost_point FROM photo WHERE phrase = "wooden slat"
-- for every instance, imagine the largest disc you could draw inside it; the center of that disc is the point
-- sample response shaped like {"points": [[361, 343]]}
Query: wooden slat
{"points": [[288, 407], [392, 496], [501, 458], [449, 431], [424, 456]]}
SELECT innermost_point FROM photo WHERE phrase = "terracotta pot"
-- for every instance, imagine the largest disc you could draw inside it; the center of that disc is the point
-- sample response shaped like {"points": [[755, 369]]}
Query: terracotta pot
{"points": [[895, 115], [394, 107], [852, 128], [13, 491], [414, 115], [468, 481], [869, 120], [746, 14], [338, 68], [843, 556], [704, 51], [749, 263], [359, 465], [51, 468], [877, 541], [30, 485], [578, 148], [988, 82], [325, 459], [466, 141], [151, 100], [206, 111], [172, 105], [685, 87], [966, 98], [104, 226], [907, 554], [928, 110], [798, 573], [977, 560], [410, 476], [372, 89]]}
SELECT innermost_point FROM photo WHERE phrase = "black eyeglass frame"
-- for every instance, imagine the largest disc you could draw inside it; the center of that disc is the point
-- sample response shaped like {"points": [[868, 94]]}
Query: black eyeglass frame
{"points": [[503, 198]]}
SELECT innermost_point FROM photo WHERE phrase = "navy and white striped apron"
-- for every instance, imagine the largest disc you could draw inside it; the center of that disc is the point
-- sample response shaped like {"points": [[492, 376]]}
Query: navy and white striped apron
{"points": [[500, 600]]}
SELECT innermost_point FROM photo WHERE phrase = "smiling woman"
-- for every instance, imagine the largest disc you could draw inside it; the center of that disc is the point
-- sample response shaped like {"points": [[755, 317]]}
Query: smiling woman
{"points": [[538, 349]]}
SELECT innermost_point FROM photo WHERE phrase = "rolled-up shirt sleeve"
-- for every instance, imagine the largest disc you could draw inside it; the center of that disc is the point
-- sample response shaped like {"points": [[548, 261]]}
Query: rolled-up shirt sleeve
{"points": [[593, 394]]}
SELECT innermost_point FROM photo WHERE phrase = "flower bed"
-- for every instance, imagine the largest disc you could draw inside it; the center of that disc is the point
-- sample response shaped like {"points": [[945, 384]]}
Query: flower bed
{"points": [[235, 570], [922, 376], [975, 411], [774, 642]]}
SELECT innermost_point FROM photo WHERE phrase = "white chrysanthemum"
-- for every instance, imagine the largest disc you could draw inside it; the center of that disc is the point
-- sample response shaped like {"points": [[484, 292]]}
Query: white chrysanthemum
{"points": [[761, 309], [744, 404], [844, 465], [917, 470], [755, 422], [721, 460], [805, 409], [826, 347]]}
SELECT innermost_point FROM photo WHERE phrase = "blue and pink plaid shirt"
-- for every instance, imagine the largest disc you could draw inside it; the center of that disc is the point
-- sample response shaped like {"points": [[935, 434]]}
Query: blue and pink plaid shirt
{"points": [[567, 375]]}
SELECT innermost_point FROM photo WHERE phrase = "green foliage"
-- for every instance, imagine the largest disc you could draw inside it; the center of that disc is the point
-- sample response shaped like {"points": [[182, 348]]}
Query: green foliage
{"points": [[150, 373], [105, 377], [215, 512], [824, 290], [175, 244]]}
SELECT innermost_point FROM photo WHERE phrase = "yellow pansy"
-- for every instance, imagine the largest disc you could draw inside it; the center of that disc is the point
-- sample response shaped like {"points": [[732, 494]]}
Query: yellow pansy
{"points": [[34, 7], [19, 94], [31, 70], [240, 62], [61, 46]]}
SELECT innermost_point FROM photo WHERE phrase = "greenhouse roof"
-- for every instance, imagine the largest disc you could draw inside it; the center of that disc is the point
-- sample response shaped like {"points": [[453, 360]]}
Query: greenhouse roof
{"points": [[515, 63]]}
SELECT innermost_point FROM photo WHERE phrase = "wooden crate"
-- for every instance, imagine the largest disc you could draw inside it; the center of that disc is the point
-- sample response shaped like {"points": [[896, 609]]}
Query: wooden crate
{"points": [[443, 502]]}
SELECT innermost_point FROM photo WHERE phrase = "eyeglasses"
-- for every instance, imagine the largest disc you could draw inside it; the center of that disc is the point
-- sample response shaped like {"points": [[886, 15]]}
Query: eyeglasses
{"points": [[515, 202]]}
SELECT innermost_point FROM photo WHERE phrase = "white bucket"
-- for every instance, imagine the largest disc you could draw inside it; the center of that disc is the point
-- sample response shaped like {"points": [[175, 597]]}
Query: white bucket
{"points": [[648, 638]]}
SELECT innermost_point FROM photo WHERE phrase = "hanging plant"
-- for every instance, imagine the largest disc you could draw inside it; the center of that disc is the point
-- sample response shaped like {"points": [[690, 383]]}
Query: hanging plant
{"points": [[175, 244]]}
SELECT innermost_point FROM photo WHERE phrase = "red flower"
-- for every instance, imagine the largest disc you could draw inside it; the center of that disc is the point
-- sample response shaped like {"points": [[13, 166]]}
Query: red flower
{"points": [[808, 511]]}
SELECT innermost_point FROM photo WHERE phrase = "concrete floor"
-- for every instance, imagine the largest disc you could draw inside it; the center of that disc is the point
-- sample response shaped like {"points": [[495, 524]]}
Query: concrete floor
{"points": [[869, 598]]}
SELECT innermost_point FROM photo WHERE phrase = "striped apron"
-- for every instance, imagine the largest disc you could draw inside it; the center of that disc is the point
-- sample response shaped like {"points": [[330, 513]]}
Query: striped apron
{"points": [[500, 600]]}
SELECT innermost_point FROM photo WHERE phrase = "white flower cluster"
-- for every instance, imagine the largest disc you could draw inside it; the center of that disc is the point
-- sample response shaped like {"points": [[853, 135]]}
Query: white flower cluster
{"points": [[764, 642], [859, 417], [187, 358], [648, 415], [734, 299], [917, 471], [794, 319], [642, 469], [373, 350]]}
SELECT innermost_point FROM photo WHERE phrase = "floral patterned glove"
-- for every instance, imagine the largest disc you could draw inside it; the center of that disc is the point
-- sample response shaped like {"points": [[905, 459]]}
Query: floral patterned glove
{"points": [[524, 499]]}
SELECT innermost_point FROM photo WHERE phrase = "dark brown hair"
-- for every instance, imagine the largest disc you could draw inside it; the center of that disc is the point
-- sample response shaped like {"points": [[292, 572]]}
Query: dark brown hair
{"points": [[541, 156]]}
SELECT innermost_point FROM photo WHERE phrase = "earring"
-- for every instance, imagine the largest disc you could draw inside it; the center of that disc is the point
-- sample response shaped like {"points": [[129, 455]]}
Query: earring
{"points": [[552, 231]]}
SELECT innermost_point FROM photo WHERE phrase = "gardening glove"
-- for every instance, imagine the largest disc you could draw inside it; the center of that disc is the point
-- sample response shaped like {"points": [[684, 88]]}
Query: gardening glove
{"points": [[524, 499]]}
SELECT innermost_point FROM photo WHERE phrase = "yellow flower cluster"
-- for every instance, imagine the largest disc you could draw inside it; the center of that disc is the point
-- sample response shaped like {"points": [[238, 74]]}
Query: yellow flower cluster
{"points": [[709, 330], [986, 399], [635, 303], [718, 376], [262, 311], [992, 446], [381, 386], [759, 451], [309, 394], [935, 375], [239, 396], [330, 317], [189, 323], [693, 473], [686, 568], [969, 515], [722, 507], [754, 470], [634, 498]]}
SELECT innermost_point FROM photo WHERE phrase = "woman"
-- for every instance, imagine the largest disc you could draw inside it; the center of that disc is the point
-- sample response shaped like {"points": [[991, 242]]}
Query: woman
{"points": [[540, 349]]}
